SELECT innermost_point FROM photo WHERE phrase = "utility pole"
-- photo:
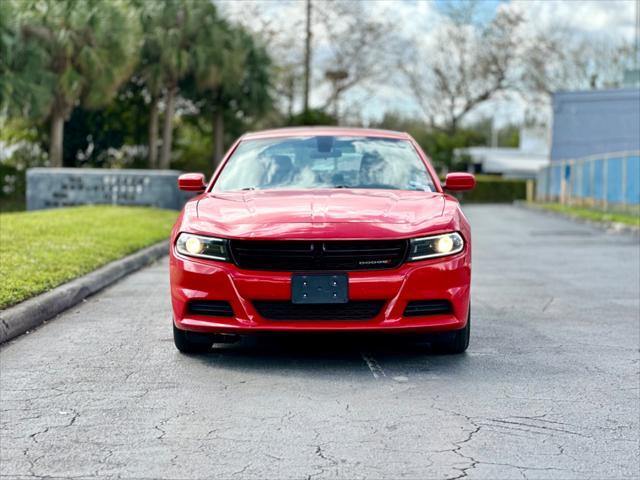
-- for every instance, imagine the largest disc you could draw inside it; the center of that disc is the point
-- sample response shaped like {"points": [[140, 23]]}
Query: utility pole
{"points": [[307, 59]]}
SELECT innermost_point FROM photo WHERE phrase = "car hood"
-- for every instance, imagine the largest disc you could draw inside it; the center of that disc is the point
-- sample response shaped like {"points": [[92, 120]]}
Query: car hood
{"points": [[339, 213]]}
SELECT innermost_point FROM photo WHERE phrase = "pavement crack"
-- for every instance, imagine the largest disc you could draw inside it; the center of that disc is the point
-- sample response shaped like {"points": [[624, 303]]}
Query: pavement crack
{"points": [[457, 450], [541, 427], [34, 436], [320, 453], [159, 427], [241, 471]]}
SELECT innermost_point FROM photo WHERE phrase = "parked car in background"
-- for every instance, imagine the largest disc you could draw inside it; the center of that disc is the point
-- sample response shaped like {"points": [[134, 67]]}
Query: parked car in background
{"points": [[322, 229]]}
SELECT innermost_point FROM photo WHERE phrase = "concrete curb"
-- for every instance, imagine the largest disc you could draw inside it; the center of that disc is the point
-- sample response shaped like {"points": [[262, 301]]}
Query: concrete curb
{"points": [[609, 227], [29, 314]]}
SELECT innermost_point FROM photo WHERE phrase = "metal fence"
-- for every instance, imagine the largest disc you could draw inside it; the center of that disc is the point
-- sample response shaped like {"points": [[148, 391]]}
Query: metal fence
{"points": [[609, 182]]}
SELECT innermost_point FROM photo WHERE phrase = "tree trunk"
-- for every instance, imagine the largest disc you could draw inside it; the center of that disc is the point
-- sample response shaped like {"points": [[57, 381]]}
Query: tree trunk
{"points": [[218, 137], [452, 128], [55, 140], [167, 131], [153, 133]]}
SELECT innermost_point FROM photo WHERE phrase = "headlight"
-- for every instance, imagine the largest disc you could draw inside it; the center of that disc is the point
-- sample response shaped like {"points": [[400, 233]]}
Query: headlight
{"points": [[202, 247], [436, 246]]}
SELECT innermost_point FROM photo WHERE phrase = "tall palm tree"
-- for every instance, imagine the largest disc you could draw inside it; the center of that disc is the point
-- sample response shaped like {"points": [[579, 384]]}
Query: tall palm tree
{"points": [[170, 28], [91, 49], [151, 71], [232, 74], [25, 85]]}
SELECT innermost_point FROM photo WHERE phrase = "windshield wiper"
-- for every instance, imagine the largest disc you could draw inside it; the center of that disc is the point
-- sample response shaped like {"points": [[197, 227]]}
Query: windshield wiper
{"points": [[248, 188]]}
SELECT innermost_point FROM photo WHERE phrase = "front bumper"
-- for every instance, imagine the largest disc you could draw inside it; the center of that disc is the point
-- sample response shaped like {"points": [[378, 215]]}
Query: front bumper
{"points": [[447, 278]]}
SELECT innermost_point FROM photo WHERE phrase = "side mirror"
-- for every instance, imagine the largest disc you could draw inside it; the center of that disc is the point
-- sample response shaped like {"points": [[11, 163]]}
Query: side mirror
{"points": [[191, 182], [458, 182]]}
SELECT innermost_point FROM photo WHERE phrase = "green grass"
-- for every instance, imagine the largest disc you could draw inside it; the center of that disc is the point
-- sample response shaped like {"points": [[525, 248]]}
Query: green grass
{"points": [[43, 249], [591, 214]]}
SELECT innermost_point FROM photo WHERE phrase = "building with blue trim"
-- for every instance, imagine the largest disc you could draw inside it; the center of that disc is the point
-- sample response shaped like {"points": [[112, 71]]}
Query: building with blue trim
{"points": [[595, 150], [595, 122]]}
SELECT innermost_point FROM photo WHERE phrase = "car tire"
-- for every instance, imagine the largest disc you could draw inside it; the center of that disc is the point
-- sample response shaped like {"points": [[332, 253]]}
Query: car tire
{"points": [[456, 342], [191, 342]]}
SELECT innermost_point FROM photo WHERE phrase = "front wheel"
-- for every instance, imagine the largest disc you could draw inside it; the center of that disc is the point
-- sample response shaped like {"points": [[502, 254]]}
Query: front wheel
{"points": [[191, 342], [454, 342]]}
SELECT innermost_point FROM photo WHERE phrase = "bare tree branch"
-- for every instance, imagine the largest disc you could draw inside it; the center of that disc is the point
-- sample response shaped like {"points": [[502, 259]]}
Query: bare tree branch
{"points": [[465, 67]]}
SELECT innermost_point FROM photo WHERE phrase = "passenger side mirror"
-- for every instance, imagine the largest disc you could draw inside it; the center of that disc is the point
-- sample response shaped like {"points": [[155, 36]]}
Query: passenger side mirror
{"points": [[458, 182], [192, 182]]}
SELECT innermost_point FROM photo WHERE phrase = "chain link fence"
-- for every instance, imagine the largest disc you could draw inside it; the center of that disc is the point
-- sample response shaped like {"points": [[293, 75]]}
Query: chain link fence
{"points": [[608, 182]]}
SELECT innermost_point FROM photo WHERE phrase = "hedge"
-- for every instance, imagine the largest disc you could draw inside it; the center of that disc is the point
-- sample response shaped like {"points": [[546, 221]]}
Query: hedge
{"points": [[13, 186], [492, 189]]}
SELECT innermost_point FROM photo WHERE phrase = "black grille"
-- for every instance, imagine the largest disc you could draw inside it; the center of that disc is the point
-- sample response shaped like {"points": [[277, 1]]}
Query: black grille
{"points": [[427, 307], [211, 308], [360, 310], [288, 256]]}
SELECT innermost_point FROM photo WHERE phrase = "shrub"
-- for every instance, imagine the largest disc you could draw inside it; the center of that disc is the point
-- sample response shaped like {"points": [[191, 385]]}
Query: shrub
{"points": [[13, 166], [492, 189]]}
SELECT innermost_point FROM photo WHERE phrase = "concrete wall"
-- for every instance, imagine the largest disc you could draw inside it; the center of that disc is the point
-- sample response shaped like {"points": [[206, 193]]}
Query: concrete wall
{"points": [[595, 122], [64, 187]]}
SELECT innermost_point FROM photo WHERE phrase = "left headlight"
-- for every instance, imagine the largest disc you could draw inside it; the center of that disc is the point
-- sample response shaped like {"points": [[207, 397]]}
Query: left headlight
{"points": [[435, 246], [192, 245]]}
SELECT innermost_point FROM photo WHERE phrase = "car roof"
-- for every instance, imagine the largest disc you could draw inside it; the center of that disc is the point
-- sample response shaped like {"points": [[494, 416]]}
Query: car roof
{"points": [[330, 131]]}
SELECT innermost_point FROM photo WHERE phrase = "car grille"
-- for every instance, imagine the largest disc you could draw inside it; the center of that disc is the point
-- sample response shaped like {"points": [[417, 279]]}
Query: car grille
{"points": [[287, 256], [427, 307], [355, 310], [211, 308]]}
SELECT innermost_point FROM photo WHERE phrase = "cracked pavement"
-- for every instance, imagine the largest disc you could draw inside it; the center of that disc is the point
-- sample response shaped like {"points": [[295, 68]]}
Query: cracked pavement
{"points": [[549, 387]]}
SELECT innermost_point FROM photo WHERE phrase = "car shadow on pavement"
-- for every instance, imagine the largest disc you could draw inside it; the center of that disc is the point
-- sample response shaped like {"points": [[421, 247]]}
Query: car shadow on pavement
{"points": [[331, 354]]}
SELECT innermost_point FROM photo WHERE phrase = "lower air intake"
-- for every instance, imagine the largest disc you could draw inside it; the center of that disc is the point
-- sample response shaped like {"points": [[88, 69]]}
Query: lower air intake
{"points": [[423, 308], [211, 308], [355, 310]]}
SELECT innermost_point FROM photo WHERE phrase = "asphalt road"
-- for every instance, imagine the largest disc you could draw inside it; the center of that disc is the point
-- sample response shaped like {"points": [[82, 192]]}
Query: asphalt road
{"points": [[548, 389]]}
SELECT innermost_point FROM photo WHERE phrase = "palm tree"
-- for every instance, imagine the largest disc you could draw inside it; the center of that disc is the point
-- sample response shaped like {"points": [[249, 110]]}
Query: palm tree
{"points": [[168, 50], [151, 70], [232, 74], [90, 48], [24, 81]]}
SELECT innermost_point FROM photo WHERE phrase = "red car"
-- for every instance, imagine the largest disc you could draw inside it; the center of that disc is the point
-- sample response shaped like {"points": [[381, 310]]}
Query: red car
{"points": [[321, 229]]}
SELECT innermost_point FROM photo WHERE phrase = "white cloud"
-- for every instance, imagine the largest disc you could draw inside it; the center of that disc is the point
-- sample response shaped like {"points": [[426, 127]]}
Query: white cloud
{"points": [[417, 20], [596, 18]]}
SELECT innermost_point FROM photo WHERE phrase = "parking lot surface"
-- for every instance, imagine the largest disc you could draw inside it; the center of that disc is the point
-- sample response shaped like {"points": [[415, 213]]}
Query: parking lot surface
{"points": [[549, 387]]}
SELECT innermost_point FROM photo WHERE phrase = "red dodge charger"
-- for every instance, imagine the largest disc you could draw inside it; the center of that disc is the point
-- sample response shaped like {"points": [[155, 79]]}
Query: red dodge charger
{"points": [[322, 229]]}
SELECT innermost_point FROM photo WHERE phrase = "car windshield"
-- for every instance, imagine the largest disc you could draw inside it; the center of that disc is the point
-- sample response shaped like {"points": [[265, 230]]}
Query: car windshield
{"points": [[324, 162]]}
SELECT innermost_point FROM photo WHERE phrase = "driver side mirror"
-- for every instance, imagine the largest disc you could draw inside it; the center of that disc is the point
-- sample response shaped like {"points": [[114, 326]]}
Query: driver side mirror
{"points": [[458, 182], [192, 182]]}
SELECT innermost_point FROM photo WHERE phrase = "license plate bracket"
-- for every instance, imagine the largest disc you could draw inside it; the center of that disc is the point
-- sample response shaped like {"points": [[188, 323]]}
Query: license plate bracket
{"points": [[319, 288]]}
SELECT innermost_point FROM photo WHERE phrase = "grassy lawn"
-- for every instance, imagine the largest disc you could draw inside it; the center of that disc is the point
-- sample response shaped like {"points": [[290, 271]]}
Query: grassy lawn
{"points": [[599, 216], [43, 249]]}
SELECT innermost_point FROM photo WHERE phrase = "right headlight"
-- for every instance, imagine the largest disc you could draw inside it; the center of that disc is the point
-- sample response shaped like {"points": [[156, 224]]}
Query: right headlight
{"points": [[200, 246], [435, 246]]}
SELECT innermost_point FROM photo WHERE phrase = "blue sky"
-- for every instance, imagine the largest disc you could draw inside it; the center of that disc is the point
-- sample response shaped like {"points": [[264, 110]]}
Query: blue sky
{"points": [[486, 8]]}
